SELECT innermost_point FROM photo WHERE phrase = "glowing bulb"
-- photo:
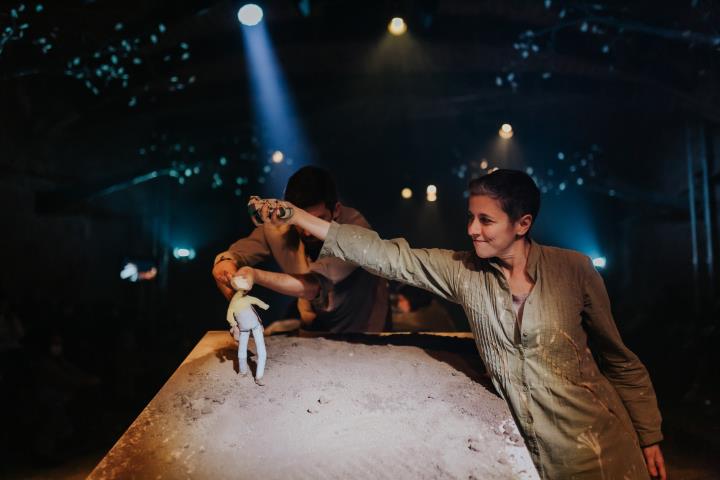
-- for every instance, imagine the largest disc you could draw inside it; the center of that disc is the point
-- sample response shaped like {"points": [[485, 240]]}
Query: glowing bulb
{"points": [[506, 131], [277, 156], [250, 14], [397, 26], [484, 164], [183, 253], [431, 197], [406, 193], [431, 189], [599, 262]]}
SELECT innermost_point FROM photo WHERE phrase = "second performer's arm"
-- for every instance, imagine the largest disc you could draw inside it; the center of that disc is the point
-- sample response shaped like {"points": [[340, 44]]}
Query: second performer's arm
{"points": [[295, 285], [431, 269]]}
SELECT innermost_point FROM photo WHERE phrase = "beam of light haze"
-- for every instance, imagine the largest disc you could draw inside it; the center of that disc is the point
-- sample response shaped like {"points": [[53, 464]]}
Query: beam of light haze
{"points": [[273, 109]]}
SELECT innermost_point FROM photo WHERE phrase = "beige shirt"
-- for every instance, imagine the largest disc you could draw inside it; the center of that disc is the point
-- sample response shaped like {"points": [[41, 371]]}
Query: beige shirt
{"points": [[580, 420], [350, 299]]}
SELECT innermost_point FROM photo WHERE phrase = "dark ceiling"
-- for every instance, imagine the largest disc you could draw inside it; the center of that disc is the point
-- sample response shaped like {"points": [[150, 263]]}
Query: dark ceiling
{"points": [[427, 100]]}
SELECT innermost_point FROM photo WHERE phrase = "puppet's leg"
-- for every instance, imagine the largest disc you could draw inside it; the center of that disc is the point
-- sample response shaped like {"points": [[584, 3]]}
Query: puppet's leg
{"points": [[242, 352], [261, 353]]}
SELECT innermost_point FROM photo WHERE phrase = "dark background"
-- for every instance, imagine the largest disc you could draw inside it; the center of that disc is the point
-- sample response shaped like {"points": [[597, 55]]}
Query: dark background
{"points": [[626, 91]]}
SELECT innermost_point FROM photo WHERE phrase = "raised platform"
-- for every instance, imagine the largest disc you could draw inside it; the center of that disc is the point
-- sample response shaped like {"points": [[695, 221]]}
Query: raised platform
{"points": [[360, 406]]}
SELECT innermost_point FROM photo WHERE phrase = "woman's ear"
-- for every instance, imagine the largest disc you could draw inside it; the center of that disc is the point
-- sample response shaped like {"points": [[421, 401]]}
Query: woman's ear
{"points": [[336, 211], [523, 224]]}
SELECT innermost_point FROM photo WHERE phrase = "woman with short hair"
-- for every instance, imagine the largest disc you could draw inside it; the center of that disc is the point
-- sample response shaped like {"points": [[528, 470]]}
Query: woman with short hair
{"points": [[534, 310]]}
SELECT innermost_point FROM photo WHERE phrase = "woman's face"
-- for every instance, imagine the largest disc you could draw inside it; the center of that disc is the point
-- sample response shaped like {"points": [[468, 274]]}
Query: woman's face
{"points": [[490, 228]]}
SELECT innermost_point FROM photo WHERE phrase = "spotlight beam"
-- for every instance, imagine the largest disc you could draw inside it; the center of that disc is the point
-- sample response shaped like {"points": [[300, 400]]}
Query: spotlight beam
{"points": [[272, 104]]}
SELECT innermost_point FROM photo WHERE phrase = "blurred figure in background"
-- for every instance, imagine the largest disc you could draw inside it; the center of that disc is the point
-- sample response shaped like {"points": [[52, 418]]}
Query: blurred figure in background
{"points": [[417, 310]]}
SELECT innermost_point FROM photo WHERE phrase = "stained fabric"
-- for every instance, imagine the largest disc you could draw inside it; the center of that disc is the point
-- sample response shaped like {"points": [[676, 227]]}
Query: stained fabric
{"points": [[580, 420]]}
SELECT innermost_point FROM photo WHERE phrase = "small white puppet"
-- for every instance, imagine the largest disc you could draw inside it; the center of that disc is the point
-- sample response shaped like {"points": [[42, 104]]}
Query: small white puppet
{"points": [[243, 319]]}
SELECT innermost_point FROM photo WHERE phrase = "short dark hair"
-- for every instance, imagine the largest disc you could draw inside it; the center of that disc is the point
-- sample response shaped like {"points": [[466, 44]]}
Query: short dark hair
{"points": [[311, 185], [515, 190]]}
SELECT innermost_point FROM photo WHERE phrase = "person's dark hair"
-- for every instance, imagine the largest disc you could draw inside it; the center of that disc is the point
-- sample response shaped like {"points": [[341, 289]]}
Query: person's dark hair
{"points": [[311, 185], [515, 190]]}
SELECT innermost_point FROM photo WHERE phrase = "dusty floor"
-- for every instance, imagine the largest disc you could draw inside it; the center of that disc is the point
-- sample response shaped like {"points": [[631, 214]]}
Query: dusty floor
{"points": [[329, 409]]}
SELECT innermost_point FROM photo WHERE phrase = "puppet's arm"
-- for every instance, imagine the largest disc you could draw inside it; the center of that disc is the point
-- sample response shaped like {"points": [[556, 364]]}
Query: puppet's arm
{"points": [[258, 302]]}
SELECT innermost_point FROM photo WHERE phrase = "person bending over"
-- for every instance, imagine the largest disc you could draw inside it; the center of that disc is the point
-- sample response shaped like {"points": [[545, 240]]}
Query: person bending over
{"points": [[333, 295]]}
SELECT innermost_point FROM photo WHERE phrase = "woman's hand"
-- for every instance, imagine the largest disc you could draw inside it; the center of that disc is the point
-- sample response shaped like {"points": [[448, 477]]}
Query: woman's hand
{"points": [[270, 210], [280, 212], [655, 461]]}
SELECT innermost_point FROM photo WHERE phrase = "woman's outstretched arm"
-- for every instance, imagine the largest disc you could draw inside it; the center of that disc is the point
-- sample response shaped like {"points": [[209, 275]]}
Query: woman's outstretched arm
{"points": [[436, 270]]}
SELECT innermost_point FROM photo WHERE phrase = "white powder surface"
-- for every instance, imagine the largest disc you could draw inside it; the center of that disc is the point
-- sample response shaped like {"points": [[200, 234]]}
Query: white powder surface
{"points": [[370, 407]]}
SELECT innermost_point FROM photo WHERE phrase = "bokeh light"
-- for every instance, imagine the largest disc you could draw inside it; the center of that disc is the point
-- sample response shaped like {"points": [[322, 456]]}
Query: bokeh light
{"points": [[506, 131], [277, 156], [397, 26]]}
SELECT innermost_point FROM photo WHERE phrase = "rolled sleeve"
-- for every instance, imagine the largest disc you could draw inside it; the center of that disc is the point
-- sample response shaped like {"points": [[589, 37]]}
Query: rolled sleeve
{"points": [[247, 251], [334, 269]]}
